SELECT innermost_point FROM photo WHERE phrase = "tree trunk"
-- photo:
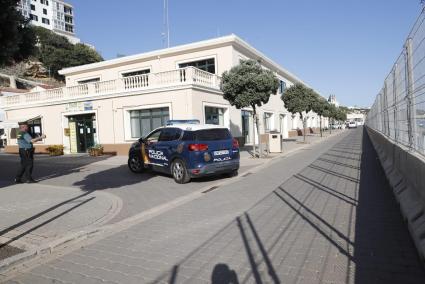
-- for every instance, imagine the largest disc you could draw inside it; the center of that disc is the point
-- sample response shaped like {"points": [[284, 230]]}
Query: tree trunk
{"points": [[257, 128], [330, 127], [304, 123], [253, 130], [321, 132]]}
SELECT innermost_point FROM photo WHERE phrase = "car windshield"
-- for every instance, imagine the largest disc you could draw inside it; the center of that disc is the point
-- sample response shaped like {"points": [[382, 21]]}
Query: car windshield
{"points": [[208, 134]]}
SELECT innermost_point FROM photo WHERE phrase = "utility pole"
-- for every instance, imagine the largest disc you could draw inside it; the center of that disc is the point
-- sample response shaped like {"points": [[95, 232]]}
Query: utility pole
{"points": [[166, 32]]}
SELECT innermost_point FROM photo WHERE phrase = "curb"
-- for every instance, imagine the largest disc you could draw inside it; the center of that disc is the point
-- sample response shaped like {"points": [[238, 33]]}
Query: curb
{"points": [[13, 264]]}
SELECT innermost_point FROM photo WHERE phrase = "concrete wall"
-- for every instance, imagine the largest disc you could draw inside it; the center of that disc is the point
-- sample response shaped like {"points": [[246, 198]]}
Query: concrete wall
{"points": [[405, 171]]}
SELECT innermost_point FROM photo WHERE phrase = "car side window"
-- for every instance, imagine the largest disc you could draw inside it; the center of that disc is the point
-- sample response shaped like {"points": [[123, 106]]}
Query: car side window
{"points": [[170, 134], [153, 137]]}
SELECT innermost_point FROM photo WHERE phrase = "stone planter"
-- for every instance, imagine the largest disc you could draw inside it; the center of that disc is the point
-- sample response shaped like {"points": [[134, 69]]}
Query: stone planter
{"points": [[55, 150], [94, 152]]}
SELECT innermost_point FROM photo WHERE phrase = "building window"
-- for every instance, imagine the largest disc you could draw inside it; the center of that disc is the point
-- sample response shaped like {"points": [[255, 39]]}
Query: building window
{"points": [[86, 81], [69, 28], [143, 121], [67, 10], [267, 118], [45, 2], [68, 19], [214, 115], [33, 17], [45, 21], [32, 7], [45, 11], [34, 126], [206, 65], [135, 73], [282, 87]]}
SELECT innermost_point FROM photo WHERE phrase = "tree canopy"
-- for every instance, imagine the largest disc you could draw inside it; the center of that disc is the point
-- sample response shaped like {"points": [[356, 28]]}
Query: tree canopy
{"points": [[298, 99], [56, 52], [248, 85], [319, 105], [17, 40]]}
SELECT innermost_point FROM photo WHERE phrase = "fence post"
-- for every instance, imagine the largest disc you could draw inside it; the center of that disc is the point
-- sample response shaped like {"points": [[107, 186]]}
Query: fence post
{"points": [[396, 122], [410, 96], [386, 116]]}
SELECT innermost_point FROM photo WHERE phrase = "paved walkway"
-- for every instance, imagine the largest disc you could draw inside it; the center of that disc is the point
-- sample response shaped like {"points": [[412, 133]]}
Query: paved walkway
{"points": [[36, 214], [325, 215]]}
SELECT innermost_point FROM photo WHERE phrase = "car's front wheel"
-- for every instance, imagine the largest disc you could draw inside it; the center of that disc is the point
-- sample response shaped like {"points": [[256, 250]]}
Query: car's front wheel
{"points": [[135, 164], [179, 171]]}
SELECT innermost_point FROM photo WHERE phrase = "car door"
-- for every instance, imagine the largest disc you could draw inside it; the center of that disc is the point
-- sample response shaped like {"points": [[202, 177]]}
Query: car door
{"points": [[167, 144], [151, 155]]}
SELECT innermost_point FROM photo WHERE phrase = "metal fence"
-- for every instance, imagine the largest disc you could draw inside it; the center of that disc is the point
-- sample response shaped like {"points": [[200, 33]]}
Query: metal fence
{"points": [[399, 108]]}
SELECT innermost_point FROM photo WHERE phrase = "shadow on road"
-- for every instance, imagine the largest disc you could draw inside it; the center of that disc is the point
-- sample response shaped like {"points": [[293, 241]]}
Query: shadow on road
{"points": [[45, 167], [335, 221], [40, 215], [384, 251], [112, 178]]}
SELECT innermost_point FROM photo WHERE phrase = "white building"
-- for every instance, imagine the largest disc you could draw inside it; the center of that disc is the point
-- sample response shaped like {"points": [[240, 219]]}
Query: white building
{"points": [[55, 15], [117, 101], [332, 100], [357, 114]]}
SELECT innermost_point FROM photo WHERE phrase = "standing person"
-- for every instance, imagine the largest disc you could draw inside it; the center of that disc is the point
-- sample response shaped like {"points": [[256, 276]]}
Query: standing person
{"points": [[26, 153]]}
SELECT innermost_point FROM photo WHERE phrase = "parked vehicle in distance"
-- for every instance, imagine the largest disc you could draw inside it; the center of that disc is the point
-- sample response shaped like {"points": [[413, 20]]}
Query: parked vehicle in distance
{"points": [[186, 151], [336, 126], [359, 122], [352, 124]]}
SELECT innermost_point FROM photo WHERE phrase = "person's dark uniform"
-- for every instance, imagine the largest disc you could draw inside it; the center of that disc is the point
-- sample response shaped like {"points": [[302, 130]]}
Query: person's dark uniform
{"points": [[26, 153]]}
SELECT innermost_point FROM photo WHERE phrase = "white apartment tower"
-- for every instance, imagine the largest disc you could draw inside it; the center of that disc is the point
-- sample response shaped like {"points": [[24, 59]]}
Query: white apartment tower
{"points": [[332, 100], [55, 15]]}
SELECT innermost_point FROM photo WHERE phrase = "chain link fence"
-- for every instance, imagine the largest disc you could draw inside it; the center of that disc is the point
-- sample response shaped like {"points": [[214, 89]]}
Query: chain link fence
{"points": [[399, 108]]}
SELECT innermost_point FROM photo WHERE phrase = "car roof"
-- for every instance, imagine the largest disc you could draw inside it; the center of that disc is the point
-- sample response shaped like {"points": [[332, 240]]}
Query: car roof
{"points": [[194, 127]]}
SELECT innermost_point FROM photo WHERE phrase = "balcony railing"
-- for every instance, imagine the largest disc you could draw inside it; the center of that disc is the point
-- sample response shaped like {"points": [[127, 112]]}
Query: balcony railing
{"points": [[178, 77]]}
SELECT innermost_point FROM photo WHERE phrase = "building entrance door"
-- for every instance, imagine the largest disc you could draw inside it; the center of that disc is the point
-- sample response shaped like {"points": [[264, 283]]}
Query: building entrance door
{"points": [[247, 126], [84, 128]]}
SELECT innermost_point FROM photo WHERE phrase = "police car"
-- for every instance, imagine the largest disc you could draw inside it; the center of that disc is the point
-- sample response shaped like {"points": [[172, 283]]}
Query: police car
{"points": [[186, 151]]}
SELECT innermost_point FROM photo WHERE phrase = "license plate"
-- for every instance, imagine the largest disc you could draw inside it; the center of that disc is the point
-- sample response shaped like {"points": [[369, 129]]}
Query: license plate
{"points": [[221, 152]]}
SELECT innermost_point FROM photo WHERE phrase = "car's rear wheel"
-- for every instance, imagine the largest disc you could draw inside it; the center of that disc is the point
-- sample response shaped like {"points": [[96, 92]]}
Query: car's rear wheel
{"points": [[179, 171], [135, 164]]}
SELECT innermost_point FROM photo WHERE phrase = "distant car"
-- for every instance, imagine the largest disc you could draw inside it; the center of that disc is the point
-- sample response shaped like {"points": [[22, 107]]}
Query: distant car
{"points": [[336, 126], [186, 151], [352, 124]]}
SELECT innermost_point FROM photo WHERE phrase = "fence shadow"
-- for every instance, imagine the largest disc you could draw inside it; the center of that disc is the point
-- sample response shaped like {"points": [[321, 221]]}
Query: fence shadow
{"points": [[384, 251], [318, 226]]}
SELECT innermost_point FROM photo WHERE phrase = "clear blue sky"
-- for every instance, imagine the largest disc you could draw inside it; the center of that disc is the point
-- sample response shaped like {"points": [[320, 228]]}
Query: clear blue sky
{"points": [[336, 46]]}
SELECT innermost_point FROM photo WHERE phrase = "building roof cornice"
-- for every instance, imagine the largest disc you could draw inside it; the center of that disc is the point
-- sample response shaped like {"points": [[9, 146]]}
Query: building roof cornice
{"points": [[232, 39]]}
